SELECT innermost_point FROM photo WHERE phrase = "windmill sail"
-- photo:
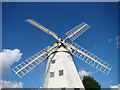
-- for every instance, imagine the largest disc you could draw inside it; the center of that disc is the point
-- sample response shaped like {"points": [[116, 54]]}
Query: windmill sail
{"points": [[26, 66], [90, 58], [41, 27], [77, 31]]}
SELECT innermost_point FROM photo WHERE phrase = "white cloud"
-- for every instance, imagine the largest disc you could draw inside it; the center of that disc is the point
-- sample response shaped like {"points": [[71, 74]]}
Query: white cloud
{"points": [[109, 40], [115, 86], [117, 38], [118, 41], [10, 84], [84, 73], [7, 58]]}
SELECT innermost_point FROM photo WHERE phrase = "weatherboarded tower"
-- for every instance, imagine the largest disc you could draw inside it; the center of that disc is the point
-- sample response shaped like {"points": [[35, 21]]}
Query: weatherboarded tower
{"points": [[61, 71]]}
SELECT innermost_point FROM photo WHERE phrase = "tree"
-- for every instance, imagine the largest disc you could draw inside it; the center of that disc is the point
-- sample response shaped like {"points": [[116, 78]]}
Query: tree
{"points": [[90, 83]]}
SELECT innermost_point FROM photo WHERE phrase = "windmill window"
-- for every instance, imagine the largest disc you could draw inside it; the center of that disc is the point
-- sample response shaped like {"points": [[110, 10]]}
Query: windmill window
{"points": [[51, 74], [60, 72], [53, 61]]}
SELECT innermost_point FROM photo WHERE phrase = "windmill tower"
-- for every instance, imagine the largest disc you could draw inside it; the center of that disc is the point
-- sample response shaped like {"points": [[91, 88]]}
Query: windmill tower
{"points": [[60, 70]]}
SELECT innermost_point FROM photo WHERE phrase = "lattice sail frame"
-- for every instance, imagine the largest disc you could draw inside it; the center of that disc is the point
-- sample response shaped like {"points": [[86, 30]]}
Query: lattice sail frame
{"points": [[41, 27], [26, 66], [77, 31], [90, 58]]}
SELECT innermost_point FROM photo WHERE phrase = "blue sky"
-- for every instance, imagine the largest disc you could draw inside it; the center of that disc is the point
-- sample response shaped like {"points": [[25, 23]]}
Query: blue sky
{"points": [[60, 18]]}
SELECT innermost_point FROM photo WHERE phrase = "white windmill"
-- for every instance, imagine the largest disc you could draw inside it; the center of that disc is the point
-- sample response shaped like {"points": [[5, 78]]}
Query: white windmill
{"points": [[60, 70]]}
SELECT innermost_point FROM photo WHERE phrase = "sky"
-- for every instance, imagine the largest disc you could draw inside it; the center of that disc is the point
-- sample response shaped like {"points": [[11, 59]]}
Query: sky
{"points": [[21, 40]]}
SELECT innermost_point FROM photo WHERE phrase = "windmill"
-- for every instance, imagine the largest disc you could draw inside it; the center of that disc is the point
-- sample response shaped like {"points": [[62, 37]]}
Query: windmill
{"points": [[60, 69]]}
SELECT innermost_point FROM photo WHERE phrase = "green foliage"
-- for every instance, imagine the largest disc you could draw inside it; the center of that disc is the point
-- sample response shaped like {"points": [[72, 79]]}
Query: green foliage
{"points": [[90, 83]]}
